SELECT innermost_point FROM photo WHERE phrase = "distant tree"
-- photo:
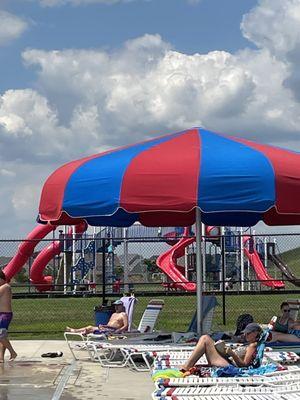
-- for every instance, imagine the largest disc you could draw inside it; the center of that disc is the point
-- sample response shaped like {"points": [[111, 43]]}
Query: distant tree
{"points": [[151, 265], [22, 276], [119, 271]]}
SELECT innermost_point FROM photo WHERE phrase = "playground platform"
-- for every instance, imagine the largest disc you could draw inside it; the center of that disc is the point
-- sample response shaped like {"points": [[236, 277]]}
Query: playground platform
{"points": [[32, 377]]}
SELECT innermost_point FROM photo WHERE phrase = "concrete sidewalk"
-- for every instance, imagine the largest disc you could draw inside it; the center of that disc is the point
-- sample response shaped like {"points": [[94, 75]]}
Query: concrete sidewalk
{"points": [[32, 377]]}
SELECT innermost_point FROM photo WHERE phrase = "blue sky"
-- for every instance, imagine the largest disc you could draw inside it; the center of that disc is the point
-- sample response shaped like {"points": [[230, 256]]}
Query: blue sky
{"points": [[190, 28], [82, 76]]}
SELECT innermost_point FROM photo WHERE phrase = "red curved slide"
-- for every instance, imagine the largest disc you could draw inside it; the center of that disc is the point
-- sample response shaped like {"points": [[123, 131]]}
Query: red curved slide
{"points": [[259, 268], [167, 262], [41, 282], [25, 250]]}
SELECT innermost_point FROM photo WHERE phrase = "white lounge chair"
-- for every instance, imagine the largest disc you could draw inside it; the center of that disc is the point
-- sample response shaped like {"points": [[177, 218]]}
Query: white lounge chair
{"points": [[285, 377], [90, 342], [268, 396], [77, 340], [198, 393], [208, 307], [130, 352], [150, 315], [294, 305], [129, 355]]}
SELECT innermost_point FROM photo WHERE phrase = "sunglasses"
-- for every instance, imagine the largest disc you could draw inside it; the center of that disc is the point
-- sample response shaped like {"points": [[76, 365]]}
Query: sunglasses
{"points": [[286, 310]]}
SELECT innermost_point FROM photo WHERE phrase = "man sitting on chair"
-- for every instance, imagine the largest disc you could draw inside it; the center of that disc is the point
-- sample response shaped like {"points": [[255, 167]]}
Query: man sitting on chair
{"points": [[117, 323]]}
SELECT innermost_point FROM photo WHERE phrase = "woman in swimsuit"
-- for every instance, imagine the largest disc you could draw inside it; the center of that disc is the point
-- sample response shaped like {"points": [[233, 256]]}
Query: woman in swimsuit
{"points": [[285, 328], [206, 346]]}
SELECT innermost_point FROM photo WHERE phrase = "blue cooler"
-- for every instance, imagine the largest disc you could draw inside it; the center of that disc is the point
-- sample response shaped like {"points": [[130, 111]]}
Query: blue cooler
{"points": [[103, 314]]}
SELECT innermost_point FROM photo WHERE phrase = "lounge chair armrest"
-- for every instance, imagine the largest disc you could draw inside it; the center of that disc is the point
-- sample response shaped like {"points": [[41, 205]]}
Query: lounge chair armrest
{"points": [[96, 336], [66, 334]]}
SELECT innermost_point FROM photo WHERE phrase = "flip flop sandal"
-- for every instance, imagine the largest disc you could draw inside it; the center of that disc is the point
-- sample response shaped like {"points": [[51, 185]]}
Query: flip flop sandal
{"points": [[52, 355]]}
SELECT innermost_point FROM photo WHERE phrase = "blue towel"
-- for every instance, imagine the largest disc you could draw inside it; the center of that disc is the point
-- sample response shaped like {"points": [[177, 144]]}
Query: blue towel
{"points": [[231, 371], [295, 332]]}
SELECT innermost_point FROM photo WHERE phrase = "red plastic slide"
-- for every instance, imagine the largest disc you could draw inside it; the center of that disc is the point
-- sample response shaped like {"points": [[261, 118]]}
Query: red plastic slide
{"points": [[259, 268], [25, 249], [167, 262], [41, 282]]}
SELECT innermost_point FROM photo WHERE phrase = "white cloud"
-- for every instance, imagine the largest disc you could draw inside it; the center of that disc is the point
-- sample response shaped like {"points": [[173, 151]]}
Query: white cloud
{"points": [[7, 173], [274, 25], [11, 27], [147, 86], [90, 100], [25, 200]]}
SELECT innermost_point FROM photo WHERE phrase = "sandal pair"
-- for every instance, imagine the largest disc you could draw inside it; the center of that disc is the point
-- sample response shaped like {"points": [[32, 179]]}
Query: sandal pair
{"points": [[52, 355]]}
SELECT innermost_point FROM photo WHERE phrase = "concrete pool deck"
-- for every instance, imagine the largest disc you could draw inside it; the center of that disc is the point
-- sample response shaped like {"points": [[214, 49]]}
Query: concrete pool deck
{"points": [[32, 377]]}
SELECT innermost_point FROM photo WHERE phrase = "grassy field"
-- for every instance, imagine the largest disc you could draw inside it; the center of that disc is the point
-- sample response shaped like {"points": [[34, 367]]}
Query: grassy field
{"points": [[50, 316]]}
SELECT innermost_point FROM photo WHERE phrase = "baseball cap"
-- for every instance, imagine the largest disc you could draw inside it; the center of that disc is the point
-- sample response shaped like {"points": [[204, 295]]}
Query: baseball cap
{"points": [[252, 327], [118, 303]]}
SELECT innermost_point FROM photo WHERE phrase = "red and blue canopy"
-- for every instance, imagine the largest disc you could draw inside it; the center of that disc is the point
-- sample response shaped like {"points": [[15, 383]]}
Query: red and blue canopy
{"points": [[162, 181]]}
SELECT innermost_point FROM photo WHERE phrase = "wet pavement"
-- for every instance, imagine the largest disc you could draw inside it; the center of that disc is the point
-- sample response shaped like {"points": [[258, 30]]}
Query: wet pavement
{"points": [[32, 377]]}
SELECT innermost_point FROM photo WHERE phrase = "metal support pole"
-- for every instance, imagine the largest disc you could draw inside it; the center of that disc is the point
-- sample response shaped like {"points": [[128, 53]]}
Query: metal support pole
{"points": [[65, 259], [53, 260], [103, 271], [95, 260], [199, 279], [265, 251], [223, 257], [73, 258], [204, 274], [242, 260], [126, 264]]}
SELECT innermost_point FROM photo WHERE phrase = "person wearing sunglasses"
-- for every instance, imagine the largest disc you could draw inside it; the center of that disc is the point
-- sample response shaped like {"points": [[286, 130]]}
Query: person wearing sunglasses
{"points": [[227, 356], [285, 328]]}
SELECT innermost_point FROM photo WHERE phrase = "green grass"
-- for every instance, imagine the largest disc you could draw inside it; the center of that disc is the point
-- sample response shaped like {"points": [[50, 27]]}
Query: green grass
{"points": [[50, 316]]}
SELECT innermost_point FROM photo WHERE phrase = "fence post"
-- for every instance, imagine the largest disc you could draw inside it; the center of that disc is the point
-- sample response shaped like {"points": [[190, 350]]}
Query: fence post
{"points": [[103, 271], [223, 257]]}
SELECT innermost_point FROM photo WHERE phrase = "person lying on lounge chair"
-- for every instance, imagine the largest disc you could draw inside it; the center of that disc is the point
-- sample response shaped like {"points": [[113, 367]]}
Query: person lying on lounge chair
{"points": [[117, 323], [215, 358], [285, 328]]}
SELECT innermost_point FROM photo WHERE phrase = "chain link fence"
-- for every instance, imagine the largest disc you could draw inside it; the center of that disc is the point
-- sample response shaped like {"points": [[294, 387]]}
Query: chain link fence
{"points": [[247, 273]]}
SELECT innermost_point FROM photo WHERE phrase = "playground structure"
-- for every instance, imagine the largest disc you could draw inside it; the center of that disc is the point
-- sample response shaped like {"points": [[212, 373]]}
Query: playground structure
{"points": [[246, 258], [44, 283], [74, 251]]}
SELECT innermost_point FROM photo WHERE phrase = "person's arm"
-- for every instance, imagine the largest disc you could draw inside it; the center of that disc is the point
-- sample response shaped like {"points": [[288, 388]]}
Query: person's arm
{"points": [[246, 360], [3, 289], [293, 324], [124, 327]]}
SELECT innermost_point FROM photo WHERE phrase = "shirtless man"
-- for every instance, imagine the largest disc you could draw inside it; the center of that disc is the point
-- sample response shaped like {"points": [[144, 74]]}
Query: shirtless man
{"points": [[117, 323], [5, 318]]}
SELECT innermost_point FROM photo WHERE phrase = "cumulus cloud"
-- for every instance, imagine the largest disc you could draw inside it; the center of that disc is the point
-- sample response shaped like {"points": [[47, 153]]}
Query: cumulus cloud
{"points": [[274, 25], [86, 101], [147, 86], [11, 27]]}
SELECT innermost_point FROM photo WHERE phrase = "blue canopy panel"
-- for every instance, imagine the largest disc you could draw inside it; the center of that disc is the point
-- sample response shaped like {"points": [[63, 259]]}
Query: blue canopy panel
{"points": [[233, 177]]}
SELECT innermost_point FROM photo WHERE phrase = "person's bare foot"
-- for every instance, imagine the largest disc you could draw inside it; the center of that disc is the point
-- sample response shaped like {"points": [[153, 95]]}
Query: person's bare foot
{"points": [[68, 329], [13, 356]]}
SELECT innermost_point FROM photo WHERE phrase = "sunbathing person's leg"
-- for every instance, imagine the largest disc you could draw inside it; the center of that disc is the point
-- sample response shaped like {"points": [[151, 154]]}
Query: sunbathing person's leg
{"points": [[205, 346], [84, 330], [284, 337]]}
